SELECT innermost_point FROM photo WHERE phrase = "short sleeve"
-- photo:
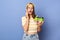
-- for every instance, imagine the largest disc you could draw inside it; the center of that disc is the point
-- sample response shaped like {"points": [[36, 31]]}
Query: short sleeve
{"points": [[23, 20]]}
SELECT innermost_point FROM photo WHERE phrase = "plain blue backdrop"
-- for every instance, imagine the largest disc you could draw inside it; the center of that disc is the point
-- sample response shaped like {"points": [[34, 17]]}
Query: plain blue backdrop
{"points": [[11, 12]]}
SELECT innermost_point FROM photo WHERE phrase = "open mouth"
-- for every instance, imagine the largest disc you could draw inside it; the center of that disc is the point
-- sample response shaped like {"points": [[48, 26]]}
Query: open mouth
{"points": [[30, 11]]}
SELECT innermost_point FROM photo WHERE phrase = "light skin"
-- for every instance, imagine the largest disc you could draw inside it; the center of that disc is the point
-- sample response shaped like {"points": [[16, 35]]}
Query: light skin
{"points": [[26, 26]]}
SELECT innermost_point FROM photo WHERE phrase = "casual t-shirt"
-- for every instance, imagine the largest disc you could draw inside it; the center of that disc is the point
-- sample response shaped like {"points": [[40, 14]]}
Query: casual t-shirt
{"points": [[32, 24]]}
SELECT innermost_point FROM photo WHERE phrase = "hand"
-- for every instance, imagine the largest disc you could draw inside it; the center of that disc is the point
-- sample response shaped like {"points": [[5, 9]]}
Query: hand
{"points": [[39, 22], [27, 16]]}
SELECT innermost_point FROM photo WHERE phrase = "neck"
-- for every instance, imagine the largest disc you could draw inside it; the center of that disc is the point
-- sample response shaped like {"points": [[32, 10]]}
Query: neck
{"points": [[31, 16]]}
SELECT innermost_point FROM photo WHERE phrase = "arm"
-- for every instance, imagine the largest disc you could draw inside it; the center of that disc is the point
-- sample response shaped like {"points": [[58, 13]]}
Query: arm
{"points": [[26, 22], [26, 25], [39, 26]]}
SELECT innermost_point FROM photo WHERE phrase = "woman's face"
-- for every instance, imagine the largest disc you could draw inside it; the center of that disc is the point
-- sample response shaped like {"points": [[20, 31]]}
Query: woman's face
{"points": [[30, 9]]}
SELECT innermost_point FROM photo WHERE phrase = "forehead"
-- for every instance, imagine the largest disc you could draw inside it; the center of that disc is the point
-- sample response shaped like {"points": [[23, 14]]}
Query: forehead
{"points": [[30, 5]]}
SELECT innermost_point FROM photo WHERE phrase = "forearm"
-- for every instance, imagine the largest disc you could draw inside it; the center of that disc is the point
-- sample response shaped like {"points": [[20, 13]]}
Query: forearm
{"points": [[39, 26], [26, 26]]}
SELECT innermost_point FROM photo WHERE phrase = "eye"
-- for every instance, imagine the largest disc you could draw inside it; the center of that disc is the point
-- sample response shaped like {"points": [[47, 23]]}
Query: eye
{"points": [[28, 7]]}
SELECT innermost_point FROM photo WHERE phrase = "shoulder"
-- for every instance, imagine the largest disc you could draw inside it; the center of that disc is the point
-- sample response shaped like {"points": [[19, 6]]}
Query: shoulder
{"points": [[23, 17]]}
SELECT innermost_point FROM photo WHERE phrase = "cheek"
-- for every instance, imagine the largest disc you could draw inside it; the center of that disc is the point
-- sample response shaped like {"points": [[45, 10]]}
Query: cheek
{"points": [[32, 10], [29, 9]]}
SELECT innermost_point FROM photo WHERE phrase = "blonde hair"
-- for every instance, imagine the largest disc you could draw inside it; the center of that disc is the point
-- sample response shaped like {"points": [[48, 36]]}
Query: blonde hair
{"points": [[33, 15]]}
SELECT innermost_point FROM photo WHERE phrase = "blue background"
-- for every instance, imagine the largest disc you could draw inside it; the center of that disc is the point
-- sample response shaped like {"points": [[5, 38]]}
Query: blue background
{"points": [[11, 12]]}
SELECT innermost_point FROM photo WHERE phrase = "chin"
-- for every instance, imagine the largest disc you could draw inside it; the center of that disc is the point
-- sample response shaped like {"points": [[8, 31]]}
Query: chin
{"points": [[30, 13]]}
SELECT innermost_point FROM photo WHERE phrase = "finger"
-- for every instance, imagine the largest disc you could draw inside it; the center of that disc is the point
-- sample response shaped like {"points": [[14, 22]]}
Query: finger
{"points": [[26, 13], [39, 22]]}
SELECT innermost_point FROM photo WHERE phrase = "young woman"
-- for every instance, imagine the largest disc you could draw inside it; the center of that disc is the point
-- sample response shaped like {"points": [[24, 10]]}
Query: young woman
{"points": [[30, 26]]}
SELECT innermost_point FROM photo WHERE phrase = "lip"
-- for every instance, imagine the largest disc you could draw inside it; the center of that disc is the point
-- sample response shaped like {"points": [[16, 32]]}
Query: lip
{"points": [[30, 11]]}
